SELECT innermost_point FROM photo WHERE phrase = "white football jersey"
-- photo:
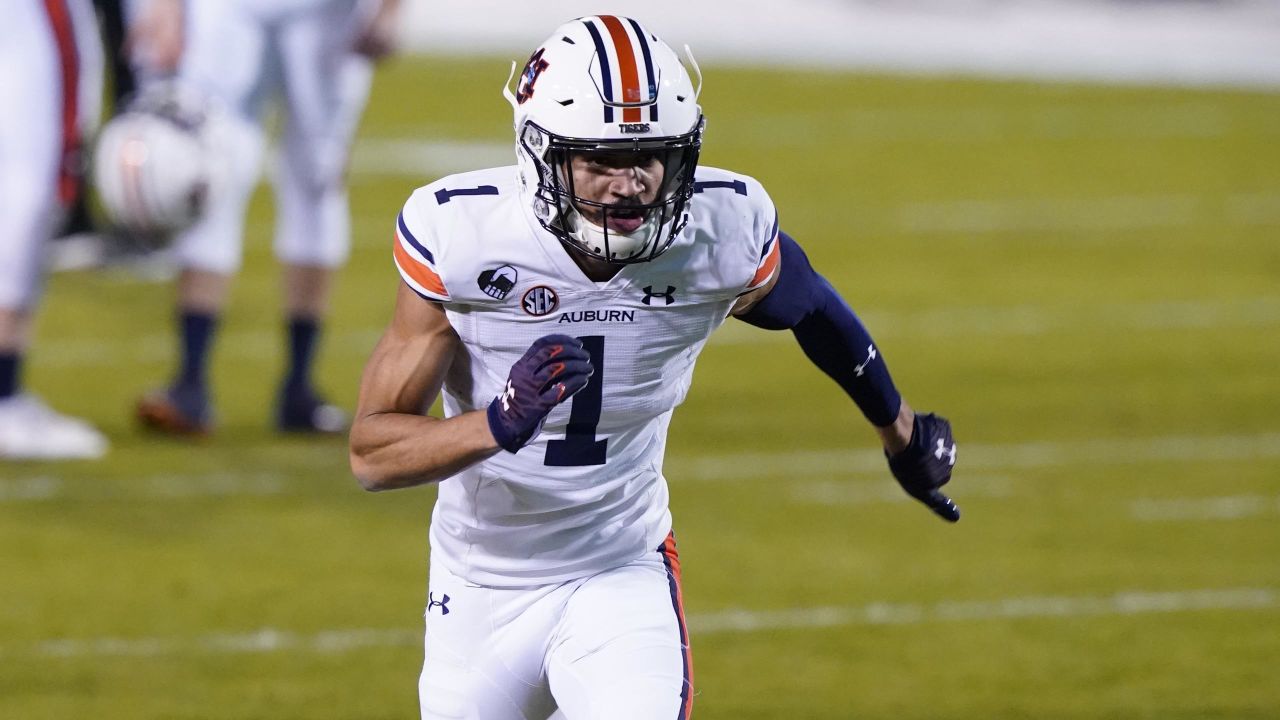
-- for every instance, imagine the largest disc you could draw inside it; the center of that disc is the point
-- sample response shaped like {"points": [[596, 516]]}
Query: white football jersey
{"points": [[588, 493]]}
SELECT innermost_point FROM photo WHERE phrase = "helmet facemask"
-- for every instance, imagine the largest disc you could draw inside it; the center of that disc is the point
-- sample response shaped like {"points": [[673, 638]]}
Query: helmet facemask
{"points": [[583, 223]]}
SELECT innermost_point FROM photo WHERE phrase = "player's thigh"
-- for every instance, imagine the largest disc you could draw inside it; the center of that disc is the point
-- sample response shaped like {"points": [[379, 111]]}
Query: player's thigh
{"points": [[31, 140], [622, 651], [485, 650], [325, 88], [226, 54]]}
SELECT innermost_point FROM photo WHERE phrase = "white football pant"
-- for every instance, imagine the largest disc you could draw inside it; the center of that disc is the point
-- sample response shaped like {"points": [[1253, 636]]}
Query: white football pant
{"points": [[33, 129], [610, 646], [244, 52]]}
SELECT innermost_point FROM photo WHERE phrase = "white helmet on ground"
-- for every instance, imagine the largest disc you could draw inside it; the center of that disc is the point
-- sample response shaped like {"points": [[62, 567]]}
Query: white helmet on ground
{"points": [[606, 84], [156, 165]]}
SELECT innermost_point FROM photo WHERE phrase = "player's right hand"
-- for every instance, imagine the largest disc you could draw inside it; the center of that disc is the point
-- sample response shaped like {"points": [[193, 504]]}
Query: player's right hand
{"points": [[551, 371]]}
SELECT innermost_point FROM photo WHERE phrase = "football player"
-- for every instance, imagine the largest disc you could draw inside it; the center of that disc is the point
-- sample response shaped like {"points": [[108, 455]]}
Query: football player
{"points": [[314, 56], [49, 62], [560, 304]]}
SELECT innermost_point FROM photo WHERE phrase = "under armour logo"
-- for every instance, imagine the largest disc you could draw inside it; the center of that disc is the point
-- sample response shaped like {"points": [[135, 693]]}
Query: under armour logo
{"points": [[507, 396], [669, 296], [871, 355], [442, 603], [942, 449]]}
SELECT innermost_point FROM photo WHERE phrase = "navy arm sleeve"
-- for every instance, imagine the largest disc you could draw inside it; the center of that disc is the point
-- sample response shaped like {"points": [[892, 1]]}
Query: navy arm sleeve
{"points": [[829, 332]]}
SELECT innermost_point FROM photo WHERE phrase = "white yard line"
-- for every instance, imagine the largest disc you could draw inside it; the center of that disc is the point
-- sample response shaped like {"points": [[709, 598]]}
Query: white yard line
{"points": [[979, 457], [87, 352], [1233, 507], [824, 472], [1047, 215], [957, 123], [427, 159], [272, 640], [1125, 603], [1032, 320], [171, 486], [847, 492]]}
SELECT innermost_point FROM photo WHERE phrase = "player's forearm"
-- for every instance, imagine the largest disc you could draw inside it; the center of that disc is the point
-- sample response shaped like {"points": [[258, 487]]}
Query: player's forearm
{"points": [[398, 450]]}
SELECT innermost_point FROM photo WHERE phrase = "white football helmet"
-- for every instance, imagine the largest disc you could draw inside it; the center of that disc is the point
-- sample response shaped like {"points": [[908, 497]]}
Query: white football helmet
{"points": [[606, 84], [156, 165]]}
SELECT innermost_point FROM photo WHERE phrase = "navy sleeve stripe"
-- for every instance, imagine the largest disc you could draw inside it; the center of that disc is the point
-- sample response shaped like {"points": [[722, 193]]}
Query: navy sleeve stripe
{"points": [[648, 69], [413, 241], [605, 76]]}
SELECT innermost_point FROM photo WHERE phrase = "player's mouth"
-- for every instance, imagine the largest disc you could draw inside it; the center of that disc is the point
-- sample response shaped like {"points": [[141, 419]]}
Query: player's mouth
{"points": [[624, 221]]}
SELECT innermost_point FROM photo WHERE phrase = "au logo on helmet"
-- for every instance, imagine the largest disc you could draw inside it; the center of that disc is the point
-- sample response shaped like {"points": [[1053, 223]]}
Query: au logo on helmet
{"points": [[532, 70]]}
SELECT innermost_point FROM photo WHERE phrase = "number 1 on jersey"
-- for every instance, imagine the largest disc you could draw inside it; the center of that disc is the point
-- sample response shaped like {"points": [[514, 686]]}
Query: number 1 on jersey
{"points": [[580, 446]]}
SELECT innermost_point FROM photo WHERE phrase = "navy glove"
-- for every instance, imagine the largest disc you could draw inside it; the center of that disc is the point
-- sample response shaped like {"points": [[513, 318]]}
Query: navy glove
{"points": [[925, 464], [551, 371]]}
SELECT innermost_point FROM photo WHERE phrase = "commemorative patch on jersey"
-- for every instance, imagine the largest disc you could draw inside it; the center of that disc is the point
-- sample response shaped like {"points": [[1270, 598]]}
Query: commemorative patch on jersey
{"points": [[540, 300], [498, 282]]}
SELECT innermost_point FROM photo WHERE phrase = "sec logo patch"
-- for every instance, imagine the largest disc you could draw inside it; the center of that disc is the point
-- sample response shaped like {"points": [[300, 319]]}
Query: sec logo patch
{"points": [[540, 300]]}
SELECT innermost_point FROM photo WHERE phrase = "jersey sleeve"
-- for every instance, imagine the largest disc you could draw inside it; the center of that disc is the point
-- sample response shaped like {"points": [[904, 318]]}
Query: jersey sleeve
{"points": [[765, 230], [414, 257]]}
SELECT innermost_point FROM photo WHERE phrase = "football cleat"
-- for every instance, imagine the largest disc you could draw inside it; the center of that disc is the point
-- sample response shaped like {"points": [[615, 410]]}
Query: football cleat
{"points": [[31, 430], [306, 412], [163, 412]]}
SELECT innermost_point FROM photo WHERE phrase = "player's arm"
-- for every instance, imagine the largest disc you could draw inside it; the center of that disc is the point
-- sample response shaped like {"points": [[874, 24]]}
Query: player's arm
{"points": [[377, 39], [394, 444], [919, 447], [157, 38]]}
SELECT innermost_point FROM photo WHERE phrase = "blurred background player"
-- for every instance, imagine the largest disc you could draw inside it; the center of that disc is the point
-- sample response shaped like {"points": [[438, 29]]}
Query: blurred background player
{"points": [[50, 65], [141, 41], [313, 56]]}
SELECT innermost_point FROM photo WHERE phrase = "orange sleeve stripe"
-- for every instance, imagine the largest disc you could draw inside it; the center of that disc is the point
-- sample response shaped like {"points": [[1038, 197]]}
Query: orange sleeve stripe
{"points": [[418, 272], [766, 268]]}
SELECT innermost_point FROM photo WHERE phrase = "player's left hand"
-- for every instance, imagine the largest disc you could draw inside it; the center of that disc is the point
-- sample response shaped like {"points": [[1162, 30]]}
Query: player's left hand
{"points": [[925, 464]]}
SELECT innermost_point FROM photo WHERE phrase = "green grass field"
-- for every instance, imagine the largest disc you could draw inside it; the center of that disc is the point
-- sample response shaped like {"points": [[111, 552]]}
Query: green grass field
{"points": [[1086, 280]]}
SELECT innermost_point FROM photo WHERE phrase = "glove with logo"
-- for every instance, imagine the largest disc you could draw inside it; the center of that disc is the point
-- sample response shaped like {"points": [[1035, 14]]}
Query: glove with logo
{"points": [[925, 464], [550, 372]]}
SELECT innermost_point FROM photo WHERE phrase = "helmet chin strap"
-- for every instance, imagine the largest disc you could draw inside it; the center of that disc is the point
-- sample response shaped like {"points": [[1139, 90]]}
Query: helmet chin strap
{"points": [[624, 245]]}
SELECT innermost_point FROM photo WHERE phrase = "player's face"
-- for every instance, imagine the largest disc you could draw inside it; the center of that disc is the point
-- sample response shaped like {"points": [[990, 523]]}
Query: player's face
{"points": [[619, 180]]}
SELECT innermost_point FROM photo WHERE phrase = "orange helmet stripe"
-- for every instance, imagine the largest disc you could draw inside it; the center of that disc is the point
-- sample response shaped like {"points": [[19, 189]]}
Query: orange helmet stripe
{"points": [[627, 65]]}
